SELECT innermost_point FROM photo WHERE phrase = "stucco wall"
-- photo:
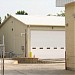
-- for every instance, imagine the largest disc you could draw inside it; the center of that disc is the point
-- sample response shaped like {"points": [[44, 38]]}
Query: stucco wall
{"points": [[70, 35], [14, 41]]}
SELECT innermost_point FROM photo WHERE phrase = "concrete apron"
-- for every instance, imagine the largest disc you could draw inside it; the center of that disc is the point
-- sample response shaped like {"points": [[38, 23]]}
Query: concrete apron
{"points": [[7, 61]]}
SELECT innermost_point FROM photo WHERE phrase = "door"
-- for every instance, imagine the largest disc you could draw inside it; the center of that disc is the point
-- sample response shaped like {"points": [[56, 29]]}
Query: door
{"points": [[48, 44]]}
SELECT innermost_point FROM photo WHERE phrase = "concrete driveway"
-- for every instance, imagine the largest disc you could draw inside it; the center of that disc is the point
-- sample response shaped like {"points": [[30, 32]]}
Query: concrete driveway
{"points": [[37, 69]]}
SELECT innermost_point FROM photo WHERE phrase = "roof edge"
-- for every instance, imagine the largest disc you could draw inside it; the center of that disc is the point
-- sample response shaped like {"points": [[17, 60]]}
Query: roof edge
{"points": [[8, 19], [5, 20], [70, 3], [24, 23]]}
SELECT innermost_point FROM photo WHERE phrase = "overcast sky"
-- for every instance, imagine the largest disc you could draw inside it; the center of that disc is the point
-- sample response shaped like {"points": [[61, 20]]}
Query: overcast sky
{"points": [[32, 7]]}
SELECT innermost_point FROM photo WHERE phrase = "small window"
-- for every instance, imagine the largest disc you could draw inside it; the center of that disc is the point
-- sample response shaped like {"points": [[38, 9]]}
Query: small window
{"points": [[22, 47], [11, 21], [55, 47], [48, 47], [62, 47], [41, 48], [33, 48], [52, 27], [12, 29]]}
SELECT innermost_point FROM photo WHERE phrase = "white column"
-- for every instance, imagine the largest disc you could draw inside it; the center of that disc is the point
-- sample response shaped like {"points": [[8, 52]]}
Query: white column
{"points": [[28, 41]]}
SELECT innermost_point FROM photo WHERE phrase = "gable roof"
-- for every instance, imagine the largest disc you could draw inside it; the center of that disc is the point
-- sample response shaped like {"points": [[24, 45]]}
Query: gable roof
{"points": [[39, 20]]}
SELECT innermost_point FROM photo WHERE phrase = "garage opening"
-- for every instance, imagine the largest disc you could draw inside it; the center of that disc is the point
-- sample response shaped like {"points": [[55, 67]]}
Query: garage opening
{"points": [[48, 45]]}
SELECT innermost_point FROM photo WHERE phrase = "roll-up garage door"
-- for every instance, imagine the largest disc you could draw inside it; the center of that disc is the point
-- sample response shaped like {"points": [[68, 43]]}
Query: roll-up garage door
{"points": [[48, 44]]}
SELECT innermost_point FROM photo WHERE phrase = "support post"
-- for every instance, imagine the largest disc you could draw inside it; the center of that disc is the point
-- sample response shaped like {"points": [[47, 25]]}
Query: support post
{"points": [[3, 54]]}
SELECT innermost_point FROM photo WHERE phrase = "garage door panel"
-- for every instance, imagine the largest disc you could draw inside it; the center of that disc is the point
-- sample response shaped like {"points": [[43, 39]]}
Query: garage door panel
{"points": [[49, 39]]}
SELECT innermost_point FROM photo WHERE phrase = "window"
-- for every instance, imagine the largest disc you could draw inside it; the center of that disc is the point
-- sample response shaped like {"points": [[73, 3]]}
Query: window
{"points": [[62, 47], [22, 47], [41, 47], [34, 48], [48, 47], [12, 29], [55, 47]]}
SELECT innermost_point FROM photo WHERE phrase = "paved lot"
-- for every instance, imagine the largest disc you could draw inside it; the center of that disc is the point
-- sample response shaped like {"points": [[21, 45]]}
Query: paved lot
{"points": [[37, 69]]}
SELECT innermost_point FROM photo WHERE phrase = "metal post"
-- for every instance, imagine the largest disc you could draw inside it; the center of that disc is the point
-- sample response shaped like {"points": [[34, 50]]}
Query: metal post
{"points": [[25, 43], [65, 61], [1, 61], [3, 54], [3, 58]]}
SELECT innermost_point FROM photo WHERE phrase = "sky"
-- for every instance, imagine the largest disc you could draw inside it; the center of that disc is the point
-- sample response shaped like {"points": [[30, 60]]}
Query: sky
{"points": [[32, 7]]}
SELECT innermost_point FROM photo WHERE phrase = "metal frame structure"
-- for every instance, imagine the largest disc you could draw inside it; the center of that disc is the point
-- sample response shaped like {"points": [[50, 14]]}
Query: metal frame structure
{"points": [[61, 3]]}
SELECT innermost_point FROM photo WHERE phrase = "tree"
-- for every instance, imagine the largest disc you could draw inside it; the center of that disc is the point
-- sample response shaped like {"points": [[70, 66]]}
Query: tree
{"points": [[22, 12], [49, 15], [61, 13]]}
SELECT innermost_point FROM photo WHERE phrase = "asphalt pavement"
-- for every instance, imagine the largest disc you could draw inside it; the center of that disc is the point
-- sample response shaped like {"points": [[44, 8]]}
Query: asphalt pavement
{"points": [[36, 69]]}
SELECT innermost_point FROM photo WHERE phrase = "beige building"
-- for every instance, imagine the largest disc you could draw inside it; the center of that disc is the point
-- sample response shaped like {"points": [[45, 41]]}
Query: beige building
{"points": [[70, 34], [17, 31]]}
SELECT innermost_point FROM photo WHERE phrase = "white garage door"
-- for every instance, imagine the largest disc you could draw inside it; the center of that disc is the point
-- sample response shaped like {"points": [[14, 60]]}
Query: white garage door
{"points": [[48, 44]]}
